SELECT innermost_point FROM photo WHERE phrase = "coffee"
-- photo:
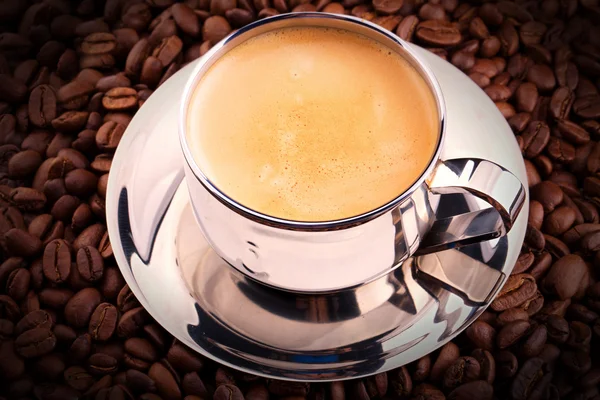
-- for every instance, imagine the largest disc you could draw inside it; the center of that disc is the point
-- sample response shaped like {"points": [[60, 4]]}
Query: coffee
{"points": [[312, 124]]}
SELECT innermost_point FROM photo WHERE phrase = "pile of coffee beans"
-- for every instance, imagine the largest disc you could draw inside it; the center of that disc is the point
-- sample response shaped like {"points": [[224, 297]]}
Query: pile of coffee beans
{"points": [[72, 75]]}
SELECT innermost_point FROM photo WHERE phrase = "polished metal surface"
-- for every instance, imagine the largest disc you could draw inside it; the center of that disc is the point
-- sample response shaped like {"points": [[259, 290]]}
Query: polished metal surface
{"points": [[289, 254], [222, 314]]}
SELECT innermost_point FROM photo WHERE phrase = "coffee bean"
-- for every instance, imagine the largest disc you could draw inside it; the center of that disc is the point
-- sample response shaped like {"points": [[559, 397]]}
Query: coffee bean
{"points": [[35, 319], [74, 95], [80, 307], [78, 378], [528, 377], [22, 244], [90, 263], [131, 322], [506, 364], [526, 96], [573, 132], [511, 315], [587, 107], [564, 276], [482, 335], [438, 33], [168, 49], [580, 335], [11, 89], [185, 19], [548, 194], [70, 121], [535, 138], [35, 342], [57, 261], [168, 388], [463, 370], [183, 359], [559, 220], [109, 135], [103, 322], [577, 361], [516, 290], [556, 247], [81, 347], [193, 385], [98, 43], [139, 381], [135, 59], [511, 333], [448, 354], [120, 98], [102, 364], [140, 354], [24, 164], [42, 106], [472, 390], [17, 283], [535, 342]]}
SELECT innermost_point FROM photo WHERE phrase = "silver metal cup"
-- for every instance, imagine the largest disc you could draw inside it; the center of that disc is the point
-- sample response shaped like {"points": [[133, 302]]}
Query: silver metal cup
{"points": [[342, 254]]}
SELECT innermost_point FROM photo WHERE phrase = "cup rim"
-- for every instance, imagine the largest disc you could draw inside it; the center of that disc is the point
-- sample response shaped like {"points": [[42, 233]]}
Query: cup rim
{"points": [[219, 49]]}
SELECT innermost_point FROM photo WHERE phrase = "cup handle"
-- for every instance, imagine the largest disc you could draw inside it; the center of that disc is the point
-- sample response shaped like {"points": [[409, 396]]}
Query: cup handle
{"points": [[485, 180]]}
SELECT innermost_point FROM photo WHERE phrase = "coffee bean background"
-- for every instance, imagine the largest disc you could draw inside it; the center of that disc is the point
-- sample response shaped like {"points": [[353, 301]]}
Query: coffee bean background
{"points": [[72, 75]]}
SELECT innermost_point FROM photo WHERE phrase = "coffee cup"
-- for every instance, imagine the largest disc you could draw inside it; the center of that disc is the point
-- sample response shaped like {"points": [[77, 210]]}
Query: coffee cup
{"points": [[314, 240]]}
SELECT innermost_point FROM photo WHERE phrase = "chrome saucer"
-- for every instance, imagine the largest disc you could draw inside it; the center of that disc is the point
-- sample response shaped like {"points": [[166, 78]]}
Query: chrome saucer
{"points": [[225, 316]]}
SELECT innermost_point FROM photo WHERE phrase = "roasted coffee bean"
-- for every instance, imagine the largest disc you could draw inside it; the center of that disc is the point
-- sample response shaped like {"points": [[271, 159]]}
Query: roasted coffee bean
{"points": [[98, 43], [57, 261], [580, 335], [527, 378], [535, 138], [139, 381], [577, 361], [487, 364], [167, 385], [103, 322], [559, 220], [17, 283], [579, 312], [22, 244], [140, 353], [90, 263], [78, 378], [448, 354], [472, 390], [35, 342], [516, 290], [548, 194], [70, 121], [24, 164], [463, 370], [564, 276], [535, 342], [511, 333], [482, 335], [511, 315], [109, 135], [42, 106], [131, 322], [526, 96], [80, 307], [102, 364], [182, 358], [556, 247], [506, 364], [120, 98]]}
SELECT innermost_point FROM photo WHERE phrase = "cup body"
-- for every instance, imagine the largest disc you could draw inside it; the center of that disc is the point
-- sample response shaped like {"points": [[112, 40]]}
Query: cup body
{"points": [[313, 256]]}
